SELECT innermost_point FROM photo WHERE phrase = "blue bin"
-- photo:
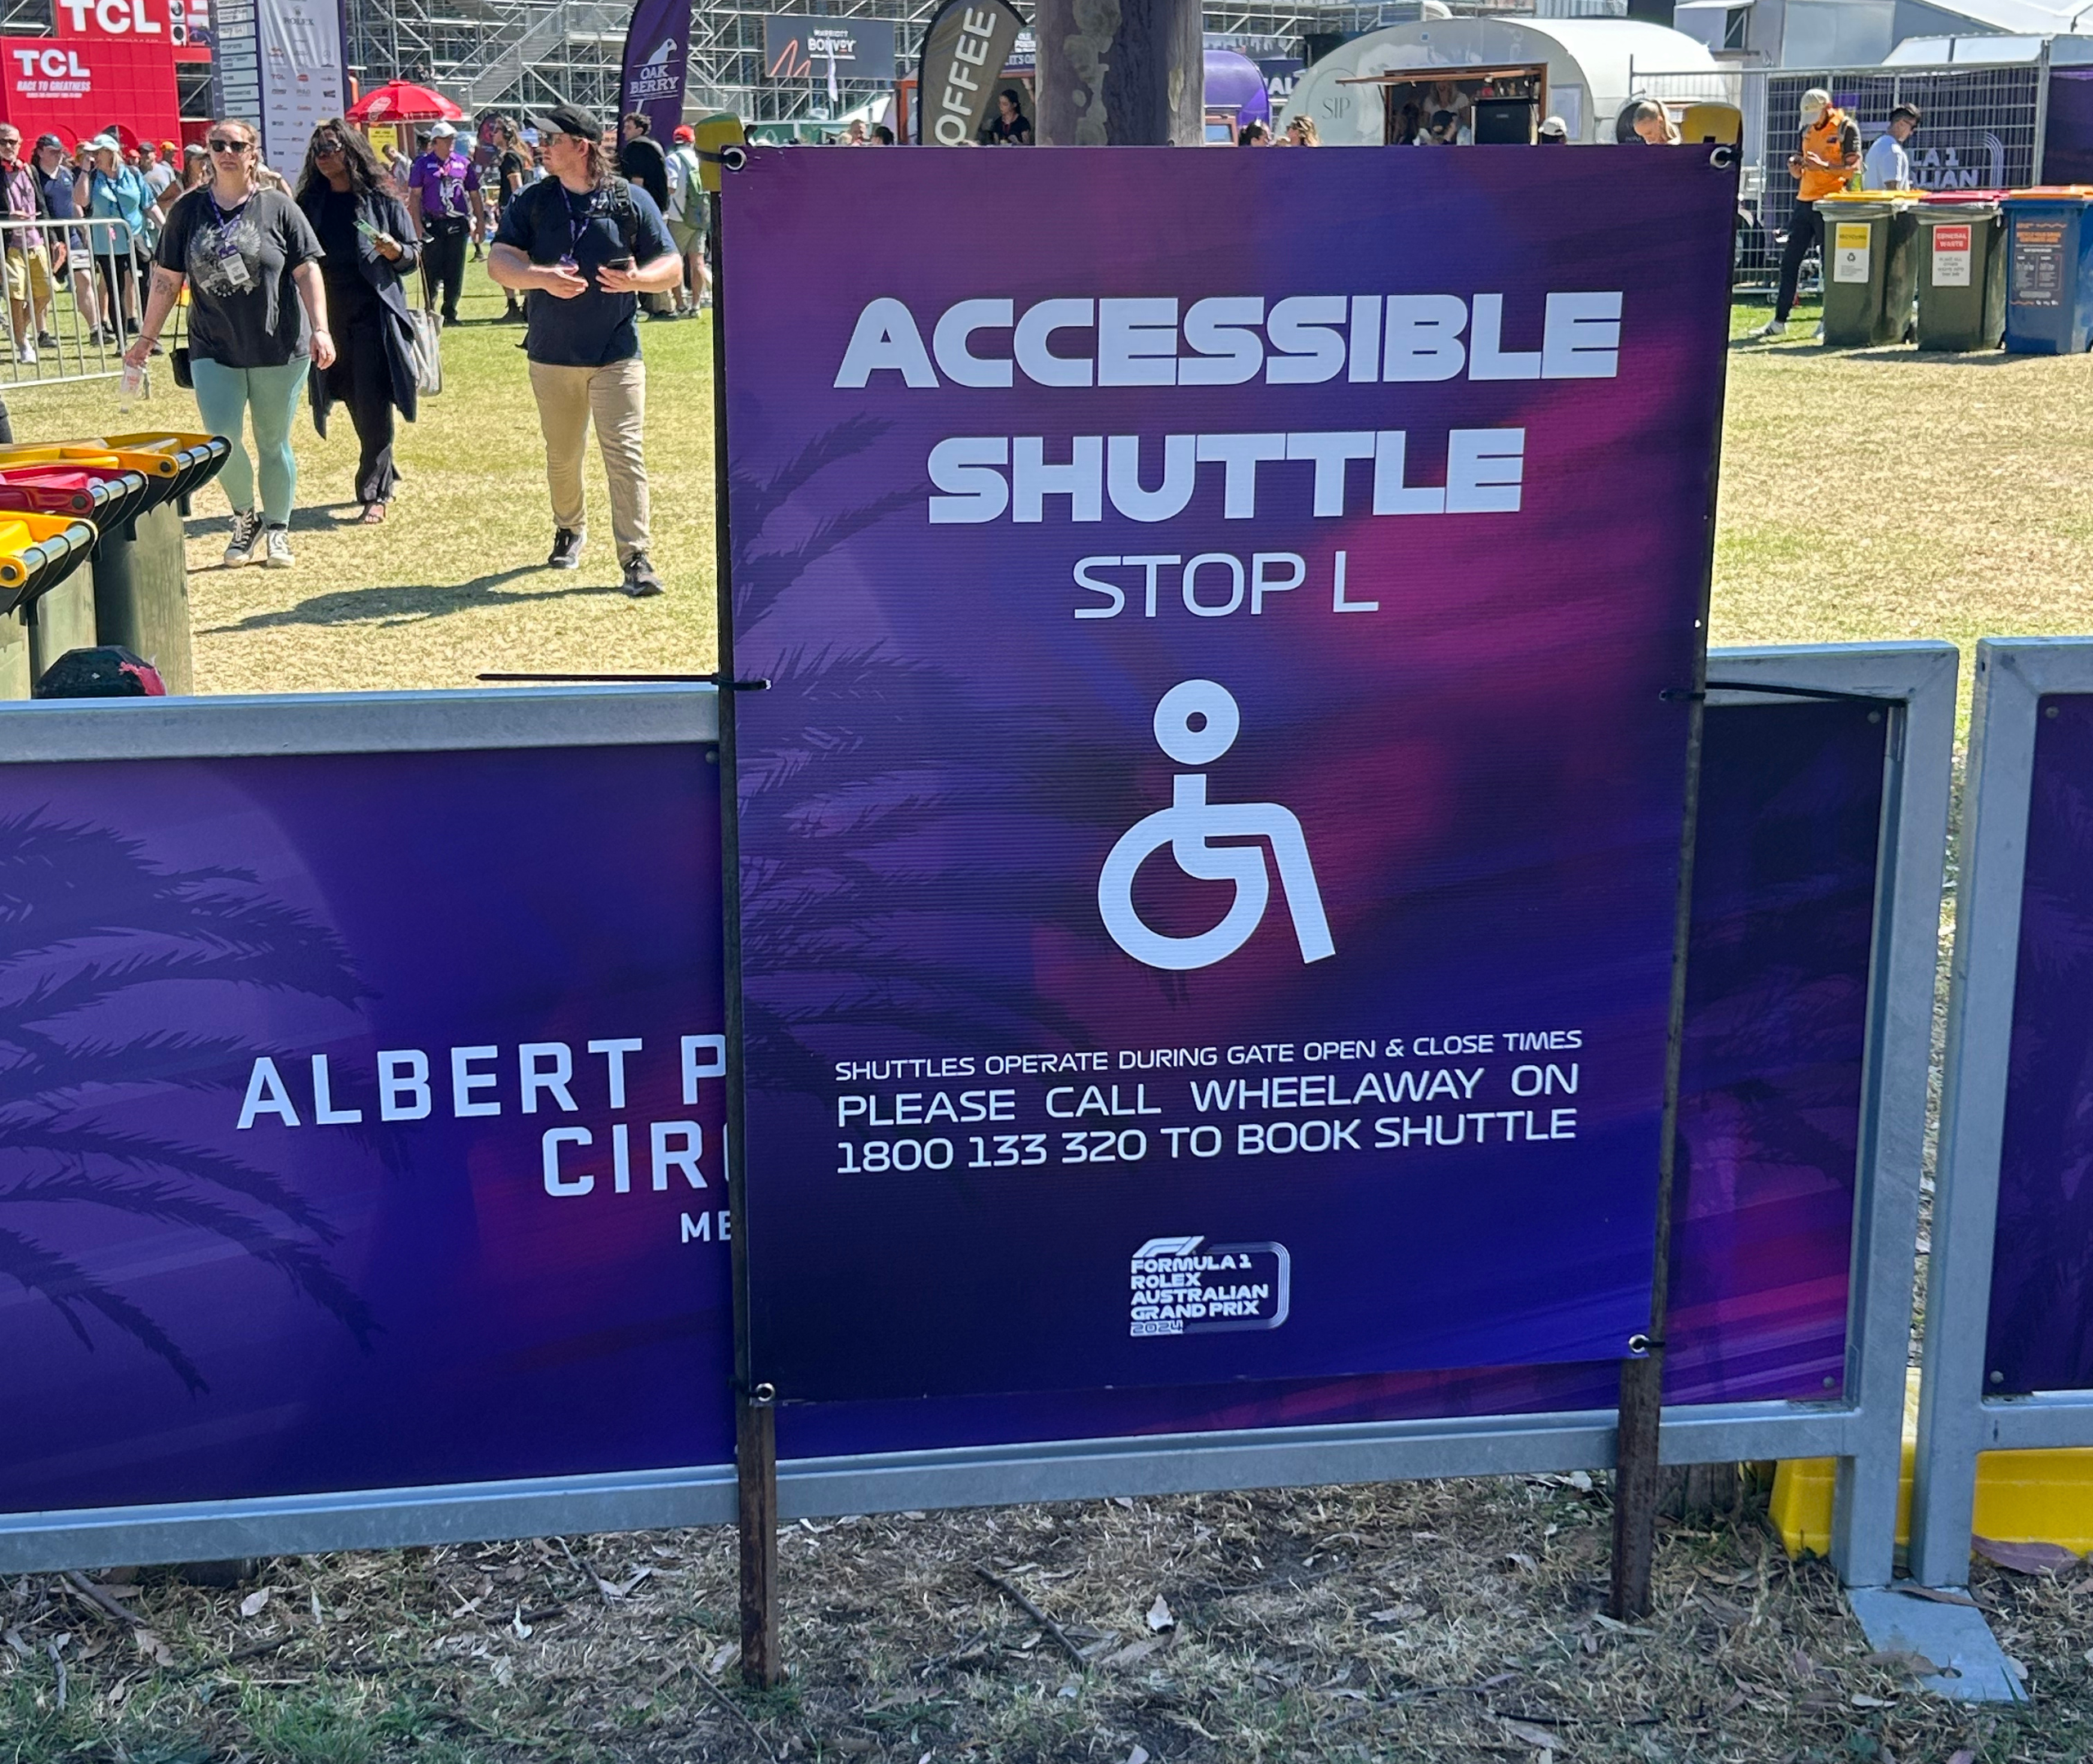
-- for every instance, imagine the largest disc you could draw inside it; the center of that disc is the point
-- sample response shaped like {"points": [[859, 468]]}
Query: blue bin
{"points": [[2048, 281]]}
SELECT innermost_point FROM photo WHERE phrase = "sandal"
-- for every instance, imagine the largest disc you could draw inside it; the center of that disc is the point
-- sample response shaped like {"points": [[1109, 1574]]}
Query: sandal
{"points": [[374, 514]]}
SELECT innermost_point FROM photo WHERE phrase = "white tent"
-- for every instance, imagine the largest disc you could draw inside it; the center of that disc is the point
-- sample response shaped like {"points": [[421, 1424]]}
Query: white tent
{"points": [[1590, 63]]}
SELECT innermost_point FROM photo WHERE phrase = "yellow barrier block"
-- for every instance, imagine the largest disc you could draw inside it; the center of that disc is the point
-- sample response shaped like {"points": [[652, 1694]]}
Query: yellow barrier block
{"points": [[2021, 1496]]}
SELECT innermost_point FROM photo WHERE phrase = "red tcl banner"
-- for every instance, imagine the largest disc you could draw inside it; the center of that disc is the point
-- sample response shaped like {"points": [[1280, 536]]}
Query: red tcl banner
{"points": [[144, 20], [74, 86]]}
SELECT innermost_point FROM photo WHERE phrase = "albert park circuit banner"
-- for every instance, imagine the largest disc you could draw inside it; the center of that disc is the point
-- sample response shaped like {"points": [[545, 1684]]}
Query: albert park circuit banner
{"points": [[360, 1122], [1209, 848]]}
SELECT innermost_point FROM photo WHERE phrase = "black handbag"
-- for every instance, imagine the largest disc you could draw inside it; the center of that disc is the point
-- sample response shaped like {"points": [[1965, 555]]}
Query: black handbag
{"points": [[178, 355]]}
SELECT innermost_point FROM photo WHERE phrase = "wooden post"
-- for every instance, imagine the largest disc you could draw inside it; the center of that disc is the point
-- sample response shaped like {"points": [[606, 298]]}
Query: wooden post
{"points": [[755, 1459], [1129, 75], [1635, 1476], [755, 1429]]}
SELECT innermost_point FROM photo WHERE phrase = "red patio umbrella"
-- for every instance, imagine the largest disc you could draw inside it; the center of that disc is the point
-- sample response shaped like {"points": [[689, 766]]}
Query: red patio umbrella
{"points": [[400, 100]]}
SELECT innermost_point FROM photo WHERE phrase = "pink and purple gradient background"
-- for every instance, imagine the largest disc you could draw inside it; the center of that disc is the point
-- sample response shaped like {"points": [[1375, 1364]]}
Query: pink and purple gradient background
{"points": [[1488, 774]]}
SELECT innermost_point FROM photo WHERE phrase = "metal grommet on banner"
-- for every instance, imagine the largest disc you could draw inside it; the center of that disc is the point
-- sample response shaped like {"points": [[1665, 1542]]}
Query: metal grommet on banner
{"points": [[1722, 156], [733, 158], [1640, 1345], [762, 1395]]}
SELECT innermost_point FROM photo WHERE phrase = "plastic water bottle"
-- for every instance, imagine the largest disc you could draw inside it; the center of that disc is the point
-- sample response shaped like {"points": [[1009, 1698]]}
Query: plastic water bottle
{"points": [[133, 388]]}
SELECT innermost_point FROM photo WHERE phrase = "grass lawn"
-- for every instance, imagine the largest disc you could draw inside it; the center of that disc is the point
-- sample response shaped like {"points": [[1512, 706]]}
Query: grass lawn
{"points": [[1882, 492], [453, 583], [1873, 494]]}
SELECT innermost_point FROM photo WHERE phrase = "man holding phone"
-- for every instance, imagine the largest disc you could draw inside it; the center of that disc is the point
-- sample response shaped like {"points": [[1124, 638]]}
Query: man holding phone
{"points": [[582, 246]]}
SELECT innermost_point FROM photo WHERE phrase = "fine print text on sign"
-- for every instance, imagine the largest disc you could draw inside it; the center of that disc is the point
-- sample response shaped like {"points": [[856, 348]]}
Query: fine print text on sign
{"points": [[1209, 849]]}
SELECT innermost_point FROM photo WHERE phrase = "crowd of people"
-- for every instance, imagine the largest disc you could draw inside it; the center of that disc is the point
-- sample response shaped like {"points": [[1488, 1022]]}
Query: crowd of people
{"points": [[268, 293]]}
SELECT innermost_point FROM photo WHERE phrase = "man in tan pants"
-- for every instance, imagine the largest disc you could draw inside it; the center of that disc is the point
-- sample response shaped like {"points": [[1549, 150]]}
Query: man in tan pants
{"points": [[583, 245]]}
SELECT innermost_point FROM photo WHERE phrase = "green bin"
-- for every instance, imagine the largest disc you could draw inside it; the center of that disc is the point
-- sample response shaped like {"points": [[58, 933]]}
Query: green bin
{"points": [[1961, 276], [1870, 269], [141, 593]]}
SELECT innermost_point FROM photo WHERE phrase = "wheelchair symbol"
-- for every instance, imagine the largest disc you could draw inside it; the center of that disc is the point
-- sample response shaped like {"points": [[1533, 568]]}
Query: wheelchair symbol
{"points": [[1196, 723]]}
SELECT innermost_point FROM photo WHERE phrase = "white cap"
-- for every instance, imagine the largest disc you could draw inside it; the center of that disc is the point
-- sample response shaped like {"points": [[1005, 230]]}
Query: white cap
{"points": [[441, 129], [1813, 100], [104, 142], [1553, 125]]}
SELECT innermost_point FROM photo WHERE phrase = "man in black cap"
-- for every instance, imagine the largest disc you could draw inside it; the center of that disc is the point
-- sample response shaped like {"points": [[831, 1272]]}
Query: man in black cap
{"points": [[583, 245]]}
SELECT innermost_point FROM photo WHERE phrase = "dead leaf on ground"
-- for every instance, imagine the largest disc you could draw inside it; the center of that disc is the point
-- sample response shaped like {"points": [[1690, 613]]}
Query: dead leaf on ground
{"points": [[1531, 1734], [2025, 1558], [1912, 1589], [1133, 1651], [152, 1647], [255, 1603], [1159, 1615], [1903, 1660]]}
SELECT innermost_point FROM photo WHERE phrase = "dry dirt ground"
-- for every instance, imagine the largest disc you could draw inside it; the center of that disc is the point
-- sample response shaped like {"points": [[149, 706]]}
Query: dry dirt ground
{"points": [[1875, 494], [1447, 1622]]}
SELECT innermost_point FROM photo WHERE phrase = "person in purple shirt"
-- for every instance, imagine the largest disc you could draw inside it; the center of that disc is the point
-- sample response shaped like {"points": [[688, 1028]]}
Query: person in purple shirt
{"points": [[443, 191]]}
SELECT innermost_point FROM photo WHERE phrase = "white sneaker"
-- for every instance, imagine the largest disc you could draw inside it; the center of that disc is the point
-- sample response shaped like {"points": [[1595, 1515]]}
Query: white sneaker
{"points": [[276, 543], [26, 355], [1770, 329], [1818, 335], [246, 534]]}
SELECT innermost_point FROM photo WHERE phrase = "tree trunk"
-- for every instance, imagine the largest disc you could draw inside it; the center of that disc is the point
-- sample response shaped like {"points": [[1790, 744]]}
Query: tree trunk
{"points": [[1121, 74]]}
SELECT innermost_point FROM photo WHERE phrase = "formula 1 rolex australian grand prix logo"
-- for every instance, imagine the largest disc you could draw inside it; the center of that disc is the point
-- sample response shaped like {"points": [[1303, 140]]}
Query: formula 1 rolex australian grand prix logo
{"points": [[1180, 1288]]}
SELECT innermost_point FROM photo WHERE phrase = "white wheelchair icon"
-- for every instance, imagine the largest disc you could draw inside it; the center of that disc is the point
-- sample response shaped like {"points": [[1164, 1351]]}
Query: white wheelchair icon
{"points": [[1196, 723]]}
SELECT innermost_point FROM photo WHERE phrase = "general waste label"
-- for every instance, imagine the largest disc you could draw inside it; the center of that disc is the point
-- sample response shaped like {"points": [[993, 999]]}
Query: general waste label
{"points": [[1850, 251], [1951, 256]]}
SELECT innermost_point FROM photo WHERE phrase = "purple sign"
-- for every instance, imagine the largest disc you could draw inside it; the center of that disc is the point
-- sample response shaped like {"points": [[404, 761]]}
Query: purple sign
{"points": [[656, 54], [360, 1123], [1208, 852], [2042, 1314], [1784, 886]]}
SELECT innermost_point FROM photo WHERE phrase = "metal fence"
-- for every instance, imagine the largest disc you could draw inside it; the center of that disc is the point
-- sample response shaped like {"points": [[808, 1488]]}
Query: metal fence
{"points": [[1994, 1129], [1912, 686], [73, 286], [1983, 130]]}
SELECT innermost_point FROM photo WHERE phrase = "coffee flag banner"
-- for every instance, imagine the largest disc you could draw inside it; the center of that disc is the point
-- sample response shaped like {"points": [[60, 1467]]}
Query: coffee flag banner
{"points": [[966, 46]]}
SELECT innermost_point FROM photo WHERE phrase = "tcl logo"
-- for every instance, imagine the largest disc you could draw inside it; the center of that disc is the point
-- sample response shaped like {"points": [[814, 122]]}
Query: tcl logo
{"points": [[113, 18], [50, 63]]}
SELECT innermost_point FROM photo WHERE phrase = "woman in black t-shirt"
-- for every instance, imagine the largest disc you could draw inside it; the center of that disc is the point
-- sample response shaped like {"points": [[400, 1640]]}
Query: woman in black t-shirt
{"points": [[512, 170], [1009, 126], [257, 321]]}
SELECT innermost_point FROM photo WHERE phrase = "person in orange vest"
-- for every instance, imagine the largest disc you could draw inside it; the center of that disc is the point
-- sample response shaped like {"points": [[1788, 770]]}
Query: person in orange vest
{"points": [[1828, 155]]}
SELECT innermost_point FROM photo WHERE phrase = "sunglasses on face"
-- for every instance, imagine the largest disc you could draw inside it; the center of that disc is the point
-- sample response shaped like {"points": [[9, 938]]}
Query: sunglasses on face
{"points": [[326, 150], [219, 143]]}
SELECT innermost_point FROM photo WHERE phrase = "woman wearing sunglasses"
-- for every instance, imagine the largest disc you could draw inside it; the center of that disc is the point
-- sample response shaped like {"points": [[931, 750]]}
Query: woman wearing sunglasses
{"points": [[370, 245], [257, 321]]}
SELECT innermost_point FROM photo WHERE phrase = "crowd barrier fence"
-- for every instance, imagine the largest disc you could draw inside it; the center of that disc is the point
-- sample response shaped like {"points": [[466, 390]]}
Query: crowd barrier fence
{"points": [[1833, 859], [2008, 1358]]}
